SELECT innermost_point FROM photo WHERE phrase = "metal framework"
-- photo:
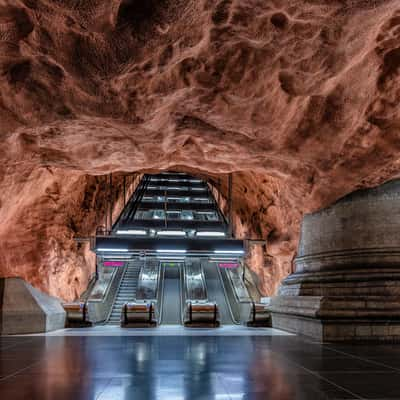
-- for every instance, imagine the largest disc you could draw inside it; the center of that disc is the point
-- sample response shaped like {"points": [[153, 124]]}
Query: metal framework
{"points": [[171, 213]]}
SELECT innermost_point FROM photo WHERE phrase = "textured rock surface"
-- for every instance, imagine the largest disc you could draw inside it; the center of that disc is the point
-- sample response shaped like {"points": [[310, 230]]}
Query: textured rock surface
{"points": [[298, 98]]}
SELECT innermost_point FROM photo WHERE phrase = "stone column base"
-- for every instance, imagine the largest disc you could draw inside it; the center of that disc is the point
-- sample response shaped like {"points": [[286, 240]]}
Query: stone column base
{"points": [[332, 319]]}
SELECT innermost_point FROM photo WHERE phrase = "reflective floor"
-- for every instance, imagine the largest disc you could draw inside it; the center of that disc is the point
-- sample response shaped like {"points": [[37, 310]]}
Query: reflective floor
{"points": [[194, 367]]}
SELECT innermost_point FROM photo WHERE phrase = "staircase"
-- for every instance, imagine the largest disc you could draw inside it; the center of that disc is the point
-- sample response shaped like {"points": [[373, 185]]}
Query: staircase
{"points": [[126, 291]]}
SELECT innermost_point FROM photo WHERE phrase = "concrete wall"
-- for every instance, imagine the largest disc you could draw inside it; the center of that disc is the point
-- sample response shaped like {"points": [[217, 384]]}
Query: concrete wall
{"points": [[25, 309]]}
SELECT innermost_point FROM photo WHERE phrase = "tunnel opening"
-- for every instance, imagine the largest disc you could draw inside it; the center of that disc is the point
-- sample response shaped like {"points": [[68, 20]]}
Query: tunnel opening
{"points": [[173, 251]]}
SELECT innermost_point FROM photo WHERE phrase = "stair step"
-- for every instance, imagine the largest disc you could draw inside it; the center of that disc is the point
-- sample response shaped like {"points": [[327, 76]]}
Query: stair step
{"points": [[126, 292]]}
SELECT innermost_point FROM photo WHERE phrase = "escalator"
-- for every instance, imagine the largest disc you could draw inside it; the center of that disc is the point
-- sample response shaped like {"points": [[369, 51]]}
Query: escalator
{"points": [[126, 291], [171, 297], [216, 293]]}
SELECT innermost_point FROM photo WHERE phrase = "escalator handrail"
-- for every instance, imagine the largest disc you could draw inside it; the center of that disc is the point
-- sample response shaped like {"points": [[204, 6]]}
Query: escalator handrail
{"points": [[181, 294], [160, 293], [245, 267], [235, 321]]}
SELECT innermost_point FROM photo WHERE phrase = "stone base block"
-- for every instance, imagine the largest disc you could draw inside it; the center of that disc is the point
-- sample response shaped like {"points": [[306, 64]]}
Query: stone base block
{"points": [[25, 309], [334, 318], [339, 330]]}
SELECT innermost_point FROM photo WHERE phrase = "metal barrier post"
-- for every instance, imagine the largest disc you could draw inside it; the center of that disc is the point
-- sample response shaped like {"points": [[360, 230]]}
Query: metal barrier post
{"points": [[230, 205]]}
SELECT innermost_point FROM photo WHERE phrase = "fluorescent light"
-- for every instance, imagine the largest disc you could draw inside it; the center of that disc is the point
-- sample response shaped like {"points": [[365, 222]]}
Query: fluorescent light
{"points": [[170, 251], [228, 251], [117, 257], [199, 188], [131, 232], [170, 257], [214, 234], [114, 250], [171, 233]]}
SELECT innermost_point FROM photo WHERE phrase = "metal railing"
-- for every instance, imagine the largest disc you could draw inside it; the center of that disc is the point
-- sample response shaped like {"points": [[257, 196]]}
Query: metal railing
{"points": [[100, 309], [230, 297], [250, 284]]}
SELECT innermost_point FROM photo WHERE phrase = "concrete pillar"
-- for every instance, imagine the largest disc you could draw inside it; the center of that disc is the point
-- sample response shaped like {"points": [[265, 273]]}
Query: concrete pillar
{"points": [[347, 280]]}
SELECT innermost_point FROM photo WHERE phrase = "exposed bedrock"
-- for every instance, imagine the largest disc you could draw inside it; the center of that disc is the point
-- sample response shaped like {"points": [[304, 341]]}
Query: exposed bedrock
{"points": [[347, 279], [298, 99]]}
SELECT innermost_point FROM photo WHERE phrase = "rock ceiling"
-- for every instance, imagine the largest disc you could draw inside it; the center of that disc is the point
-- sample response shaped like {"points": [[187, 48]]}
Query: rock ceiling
{"points": [[300, 99]]}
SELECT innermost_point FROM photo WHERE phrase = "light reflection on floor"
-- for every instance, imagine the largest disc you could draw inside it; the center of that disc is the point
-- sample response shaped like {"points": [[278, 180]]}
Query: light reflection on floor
{"points": [[193, 367]]}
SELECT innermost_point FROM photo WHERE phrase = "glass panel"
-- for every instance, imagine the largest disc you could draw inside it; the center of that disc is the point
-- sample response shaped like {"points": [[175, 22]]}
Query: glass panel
{"points": [[149, 214], [179, 188], [173, 214], [187, 215]]}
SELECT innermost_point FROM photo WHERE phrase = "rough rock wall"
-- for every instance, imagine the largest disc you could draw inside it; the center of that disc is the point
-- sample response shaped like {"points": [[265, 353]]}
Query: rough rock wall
{"points": [[46, 210], [261, 212], [298, 98]]}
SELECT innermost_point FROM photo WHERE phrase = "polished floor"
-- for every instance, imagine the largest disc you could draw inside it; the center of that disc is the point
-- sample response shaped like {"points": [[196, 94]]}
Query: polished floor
{"points": [[167, 330], [194, 367]]}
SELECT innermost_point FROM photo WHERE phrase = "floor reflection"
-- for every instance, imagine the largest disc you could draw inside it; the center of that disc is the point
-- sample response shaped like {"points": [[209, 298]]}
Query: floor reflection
{"points": [[189, 367]]}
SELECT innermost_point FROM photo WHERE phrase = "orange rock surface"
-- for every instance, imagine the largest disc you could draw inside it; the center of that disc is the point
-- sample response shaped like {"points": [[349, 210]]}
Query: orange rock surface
{"points": [[300, 99]]}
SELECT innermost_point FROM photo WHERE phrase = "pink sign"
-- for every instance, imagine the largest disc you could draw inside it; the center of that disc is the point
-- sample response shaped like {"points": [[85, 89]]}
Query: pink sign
{"points": [[228, 265], [113, 263]]}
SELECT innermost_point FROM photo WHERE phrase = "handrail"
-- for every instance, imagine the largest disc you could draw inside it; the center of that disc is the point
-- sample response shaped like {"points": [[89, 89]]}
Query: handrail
{"points": [[141, 189], [182, 305], [227, 297], [92, 281], [160, 293], [108, 288], [253, 284], [140, 176], [216, 204]]}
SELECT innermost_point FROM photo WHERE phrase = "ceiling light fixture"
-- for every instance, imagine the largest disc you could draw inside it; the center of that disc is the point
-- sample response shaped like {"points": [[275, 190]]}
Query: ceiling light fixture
{"points": [[113, 250], [170, 251], [210, 234], [228, 251], [171, 233], [131, 232]]}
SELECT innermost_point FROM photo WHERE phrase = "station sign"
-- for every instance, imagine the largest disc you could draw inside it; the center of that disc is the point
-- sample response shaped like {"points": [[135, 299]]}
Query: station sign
{"points": [[228, 265], [113, 263]]}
